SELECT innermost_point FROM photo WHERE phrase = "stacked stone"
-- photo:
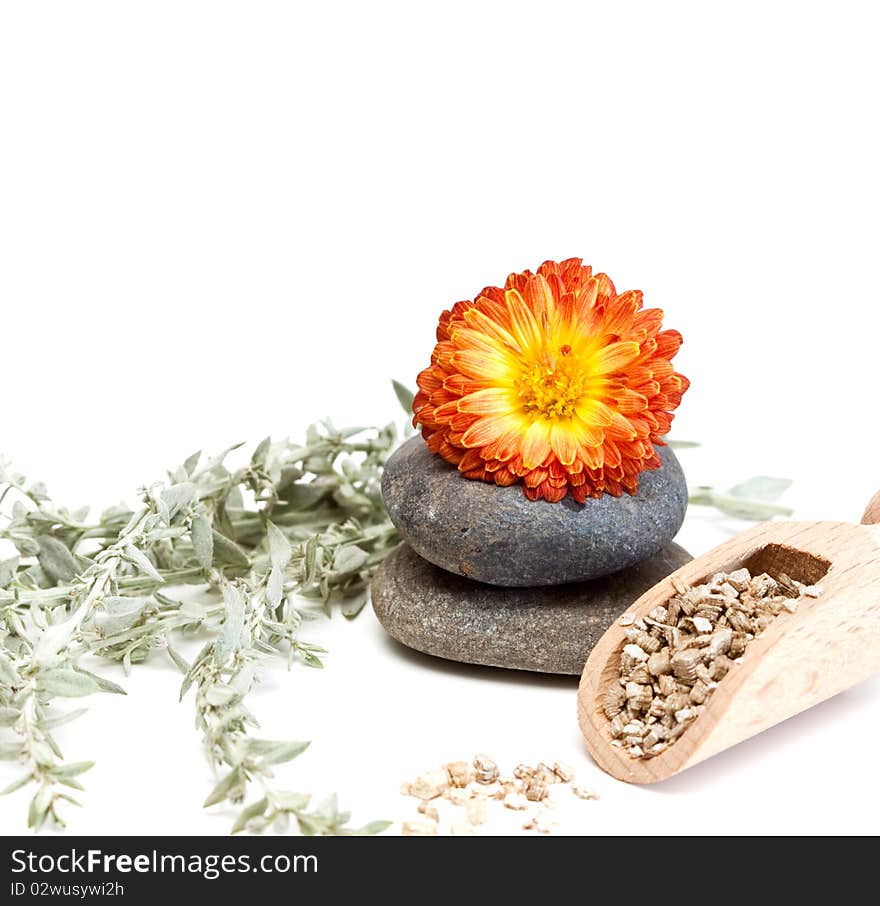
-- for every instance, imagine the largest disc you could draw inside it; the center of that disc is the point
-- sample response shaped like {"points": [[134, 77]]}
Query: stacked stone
{"points": [[487, 576]]}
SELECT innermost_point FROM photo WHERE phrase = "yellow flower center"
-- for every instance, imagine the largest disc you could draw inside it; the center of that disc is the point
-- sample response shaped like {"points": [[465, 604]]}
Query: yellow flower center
{"points": [[553, 387]]}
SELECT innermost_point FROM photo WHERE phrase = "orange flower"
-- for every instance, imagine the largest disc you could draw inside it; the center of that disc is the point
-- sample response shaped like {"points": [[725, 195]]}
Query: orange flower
{"points": [[555, 380]]}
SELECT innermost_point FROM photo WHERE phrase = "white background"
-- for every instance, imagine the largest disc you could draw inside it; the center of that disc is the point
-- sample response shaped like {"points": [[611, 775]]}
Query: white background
{"points": [[221, 220]]}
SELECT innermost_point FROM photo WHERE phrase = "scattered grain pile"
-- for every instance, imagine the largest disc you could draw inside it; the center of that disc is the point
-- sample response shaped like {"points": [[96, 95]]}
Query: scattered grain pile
{"points": [[480, 791]]}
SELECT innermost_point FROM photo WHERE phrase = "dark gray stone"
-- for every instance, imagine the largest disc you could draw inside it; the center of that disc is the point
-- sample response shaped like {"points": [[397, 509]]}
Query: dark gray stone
{"points": [[497, 535], [546, 629]]}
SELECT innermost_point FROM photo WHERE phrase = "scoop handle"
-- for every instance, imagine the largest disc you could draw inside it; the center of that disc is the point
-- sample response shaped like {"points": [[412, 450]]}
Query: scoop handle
{"points": [[872, 513]]}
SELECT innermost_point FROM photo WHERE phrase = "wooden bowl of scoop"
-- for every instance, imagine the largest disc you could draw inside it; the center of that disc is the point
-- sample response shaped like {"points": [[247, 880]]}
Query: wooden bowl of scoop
{"points": [[830, 643]]}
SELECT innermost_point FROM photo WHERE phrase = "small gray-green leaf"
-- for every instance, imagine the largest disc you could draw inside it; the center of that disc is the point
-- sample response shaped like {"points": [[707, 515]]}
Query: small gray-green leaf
{"points": [[311, 660], [34, 577], [24, 544], [218, 695], [275, 586], [754, 510], [53, 639], [38, 491], [227, 552], [353, 605], [16, 785], [190, 463], [8, 716], [191, 673], [9, 751], [346, 496], [83, 563], [302, 495], [761, 487], [7, 571], [49, 723], [280, 550], [349, 559], [328, 809], [57, 561], [179, 660], [176, 498], [233, 624], [8, 675], [50, 741], [738, 507], [262, 450], [119, 614], [103, 684], [404, 396], [271, 752], [243, 680], [39, 807], [203, 540], [71, 782], [66, 683], [256, 808], [139, 559], [73, 769], [290, 802], [222, 790]]}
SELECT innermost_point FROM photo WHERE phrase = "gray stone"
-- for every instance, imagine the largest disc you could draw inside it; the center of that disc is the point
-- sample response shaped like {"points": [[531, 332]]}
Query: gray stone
{"points": [[550, 629], [497, 535]]}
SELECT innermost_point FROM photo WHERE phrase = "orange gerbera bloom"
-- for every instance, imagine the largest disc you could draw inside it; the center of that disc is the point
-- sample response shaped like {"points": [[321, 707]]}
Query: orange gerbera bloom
{"points": [[555, 380]]}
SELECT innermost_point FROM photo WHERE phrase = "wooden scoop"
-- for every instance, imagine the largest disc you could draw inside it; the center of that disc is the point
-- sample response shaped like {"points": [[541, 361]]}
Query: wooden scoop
{"points": [[830, 643]]}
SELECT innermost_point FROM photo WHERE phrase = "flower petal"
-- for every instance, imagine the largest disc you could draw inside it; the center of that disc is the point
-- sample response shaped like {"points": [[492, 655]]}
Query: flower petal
{"points": [[564, 443], [491, 401], [535, 445], [620, 311], [468, 338], [487, 429], [616, 356], [604, 288], [537, 295], [474, 364], [626, 400], [491, 327], [525, 327], [595, 412], [587, 434]]}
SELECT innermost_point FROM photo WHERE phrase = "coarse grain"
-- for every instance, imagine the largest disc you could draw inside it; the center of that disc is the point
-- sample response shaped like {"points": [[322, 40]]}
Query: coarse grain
{"points": [[672, 661], [430, 785], [527, 787], [460, 773], [485, 769], [430, 813]]}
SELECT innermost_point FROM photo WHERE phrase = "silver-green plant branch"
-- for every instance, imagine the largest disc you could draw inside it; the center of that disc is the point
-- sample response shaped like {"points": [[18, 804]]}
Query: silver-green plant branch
{"points": [[753, 500], [298, 520]]}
